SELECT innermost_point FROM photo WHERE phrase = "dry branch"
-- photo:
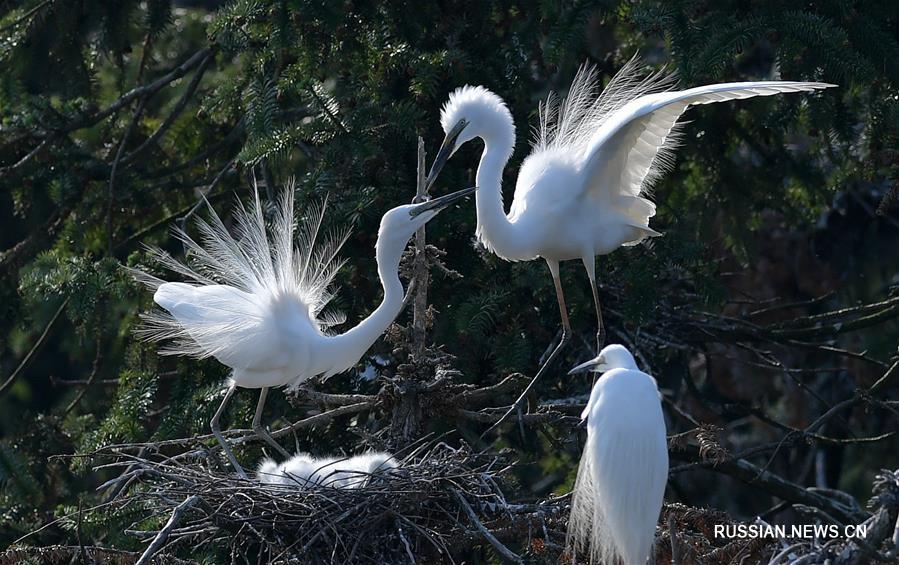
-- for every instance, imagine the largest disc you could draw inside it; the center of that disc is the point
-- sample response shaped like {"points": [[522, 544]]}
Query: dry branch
{"points": [[53, 554]]}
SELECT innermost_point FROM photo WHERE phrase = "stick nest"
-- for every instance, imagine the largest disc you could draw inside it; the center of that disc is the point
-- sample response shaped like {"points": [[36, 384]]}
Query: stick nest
{"points": [[420, 510]]}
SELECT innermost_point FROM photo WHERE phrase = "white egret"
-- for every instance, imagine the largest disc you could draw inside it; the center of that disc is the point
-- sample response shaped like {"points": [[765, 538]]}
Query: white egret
{"points": [[302, 470], [621, 480], [580, 193], [256, 302]]}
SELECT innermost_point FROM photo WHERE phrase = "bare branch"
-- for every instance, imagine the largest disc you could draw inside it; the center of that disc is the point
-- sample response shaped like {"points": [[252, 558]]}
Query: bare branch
{"points": [[504, 551], [163, 534], [173, 115]]}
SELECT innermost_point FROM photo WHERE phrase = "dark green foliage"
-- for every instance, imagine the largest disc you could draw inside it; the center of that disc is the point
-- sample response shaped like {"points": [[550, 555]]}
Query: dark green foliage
{"points": [[334, 95]]}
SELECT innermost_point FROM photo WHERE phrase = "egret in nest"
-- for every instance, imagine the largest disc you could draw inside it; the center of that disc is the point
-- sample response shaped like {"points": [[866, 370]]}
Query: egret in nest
{"points": [[304, 471], [621, 480], [256, 301], [581, 192]]}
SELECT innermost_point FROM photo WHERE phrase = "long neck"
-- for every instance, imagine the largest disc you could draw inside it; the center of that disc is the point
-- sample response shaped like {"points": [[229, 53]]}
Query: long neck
{"points": [[494, 228], [353, 344]]}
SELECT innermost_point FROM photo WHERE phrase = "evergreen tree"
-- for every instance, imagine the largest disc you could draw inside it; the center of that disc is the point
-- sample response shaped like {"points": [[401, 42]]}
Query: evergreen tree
{"points": [[116, 117]]}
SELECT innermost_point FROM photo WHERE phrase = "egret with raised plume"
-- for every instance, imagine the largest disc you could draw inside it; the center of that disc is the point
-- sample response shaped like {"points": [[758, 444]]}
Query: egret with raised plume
{"points": [[256, 301], [621, 479], [581, 191]]}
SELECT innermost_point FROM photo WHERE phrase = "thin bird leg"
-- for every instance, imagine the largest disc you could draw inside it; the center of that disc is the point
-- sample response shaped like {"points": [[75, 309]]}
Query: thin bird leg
{"points": [[566, 335], [260, 429], [217, 432], [590, 265]]}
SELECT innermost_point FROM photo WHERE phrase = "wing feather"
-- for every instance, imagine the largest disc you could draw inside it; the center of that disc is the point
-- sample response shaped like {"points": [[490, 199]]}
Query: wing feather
{"points": [[623, 139], [635, 145], [570, 124]]}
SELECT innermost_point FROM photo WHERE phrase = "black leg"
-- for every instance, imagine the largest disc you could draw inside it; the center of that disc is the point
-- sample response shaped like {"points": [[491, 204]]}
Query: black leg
{"points": [[217, 432], [566, 335], [590, 266], [260, 429]]}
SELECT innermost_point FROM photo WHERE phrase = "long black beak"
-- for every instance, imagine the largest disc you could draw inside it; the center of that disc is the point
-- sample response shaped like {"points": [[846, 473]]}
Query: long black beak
{"points": [[441, 202], [445, 152], [584, 367]]}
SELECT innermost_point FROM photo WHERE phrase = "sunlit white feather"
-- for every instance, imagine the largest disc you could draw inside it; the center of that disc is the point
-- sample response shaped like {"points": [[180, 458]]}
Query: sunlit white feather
{"points": [[621, 480], [251, 300], [255, 301], [580, 193], [305, 471]]}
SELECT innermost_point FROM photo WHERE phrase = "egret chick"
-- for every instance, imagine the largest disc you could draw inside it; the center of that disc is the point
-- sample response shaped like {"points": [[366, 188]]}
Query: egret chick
{"points": [[356, 471], [296, 471], [621, 479], [304, 471], [255, 301], [581, 191]]}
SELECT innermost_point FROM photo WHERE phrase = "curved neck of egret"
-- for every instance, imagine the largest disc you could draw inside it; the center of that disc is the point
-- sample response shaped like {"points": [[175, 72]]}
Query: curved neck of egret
{"points": [[353, 344], [494, 228]]}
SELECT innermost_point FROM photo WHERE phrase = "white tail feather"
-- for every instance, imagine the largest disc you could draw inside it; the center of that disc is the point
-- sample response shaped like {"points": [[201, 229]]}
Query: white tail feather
{"points": [[614, 510]]}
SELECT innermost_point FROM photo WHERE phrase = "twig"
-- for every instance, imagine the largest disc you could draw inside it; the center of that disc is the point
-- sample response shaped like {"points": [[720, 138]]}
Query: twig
{"points": [[137, 236], [163, 534], [28, 157], [95, 369], [322, 418], [420, 267], [13, 258], [480, 395], [40, 341], [27, 15], [70, 553], [789, 305], [140, 91], [780, 487], [504, 551], [218, 178], [676, 558], [173, 115], [491, 416], [211, 150], [110, 191], [332, 399]]}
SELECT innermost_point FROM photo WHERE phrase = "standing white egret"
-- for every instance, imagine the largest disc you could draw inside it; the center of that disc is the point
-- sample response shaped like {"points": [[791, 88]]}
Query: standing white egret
{"points": [[255, 302], [621, 480], [580, 192]]}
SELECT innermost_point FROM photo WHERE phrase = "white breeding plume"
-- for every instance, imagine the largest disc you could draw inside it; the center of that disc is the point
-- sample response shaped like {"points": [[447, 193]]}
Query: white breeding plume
{"points": [[580, 193], [304, 471], [621, 480], [255, 301]]}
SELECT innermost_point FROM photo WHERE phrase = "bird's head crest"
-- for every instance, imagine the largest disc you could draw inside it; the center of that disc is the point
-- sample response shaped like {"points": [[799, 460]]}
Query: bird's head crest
{"points": [[484, 112]]}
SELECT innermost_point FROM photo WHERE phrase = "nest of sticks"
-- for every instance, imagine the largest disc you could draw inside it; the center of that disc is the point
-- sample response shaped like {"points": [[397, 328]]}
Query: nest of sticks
{"points": [[439, 503], [442, 504]]}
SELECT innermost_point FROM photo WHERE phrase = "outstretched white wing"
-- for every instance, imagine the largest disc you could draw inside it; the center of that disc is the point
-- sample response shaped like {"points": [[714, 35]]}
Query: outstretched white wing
{"points": [[632, 147], [609, 147]]}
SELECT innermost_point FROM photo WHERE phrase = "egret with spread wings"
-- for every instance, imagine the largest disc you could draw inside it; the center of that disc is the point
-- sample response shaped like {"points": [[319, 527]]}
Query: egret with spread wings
{"points": [[582, 190]]}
